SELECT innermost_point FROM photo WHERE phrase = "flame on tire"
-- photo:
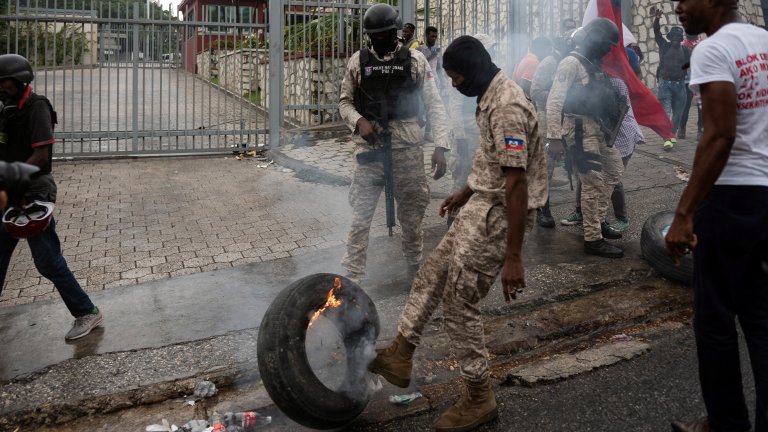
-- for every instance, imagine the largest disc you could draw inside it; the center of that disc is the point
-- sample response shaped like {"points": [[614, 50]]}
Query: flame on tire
{"points": [[330, 302]]}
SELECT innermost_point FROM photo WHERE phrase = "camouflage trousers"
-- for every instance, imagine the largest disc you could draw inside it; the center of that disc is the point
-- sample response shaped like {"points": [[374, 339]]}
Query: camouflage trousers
{"points": [[460, 272], [596, 186], [411, 199]]}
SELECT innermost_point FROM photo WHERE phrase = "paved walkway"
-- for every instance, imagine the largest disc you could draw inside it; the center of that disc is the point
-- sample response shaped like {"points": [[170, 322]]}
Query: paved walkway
{"points": [[126, 222]]}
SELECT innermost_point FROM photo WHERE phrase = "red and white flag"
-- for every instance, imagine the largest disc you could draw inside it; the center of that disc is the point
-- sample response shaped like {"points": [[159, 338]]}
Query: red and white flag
{"points": [[648, 110]]}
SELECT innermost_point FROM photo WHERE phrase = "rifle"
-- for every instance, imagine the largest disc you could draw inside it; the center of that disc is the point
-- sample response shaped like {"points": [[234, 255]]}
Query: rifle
{"points": [[384, 155]]}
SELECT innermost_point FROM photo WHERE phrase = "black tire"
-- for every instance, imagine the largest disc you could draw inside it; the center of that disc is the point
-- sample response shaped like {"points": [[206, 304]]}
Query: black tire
{"points": [[654, 249], [282, 357]]}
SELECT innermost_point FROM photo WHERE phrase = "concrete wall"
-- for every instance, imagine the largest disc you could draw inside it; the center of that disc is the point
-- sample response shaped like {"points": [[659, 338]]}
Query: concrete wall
{"points": [[308, 80]]}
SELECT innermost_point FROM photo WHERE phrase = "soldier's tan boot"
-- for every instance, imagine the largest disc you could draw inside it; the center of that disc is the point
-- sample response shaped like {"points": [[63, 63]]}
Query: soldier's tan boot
{"points": [[395, 362], [475, 407]]}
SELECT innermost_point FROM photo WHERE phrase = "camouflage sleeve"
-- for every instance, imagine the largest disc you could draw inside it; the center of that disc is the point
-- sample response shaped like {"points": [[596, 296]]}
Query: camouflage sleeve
{"points": [[349, 84], [509, 122], [542, 82], [432, 101], [566, 74]]}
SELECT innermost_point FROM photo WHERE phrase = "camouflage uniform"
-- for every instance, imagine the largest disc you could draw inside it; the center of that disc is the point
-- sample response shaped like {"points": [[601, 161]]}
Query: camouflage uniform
{"points": [[596, 186], [540, 86], [465, 264], [411, 189]]}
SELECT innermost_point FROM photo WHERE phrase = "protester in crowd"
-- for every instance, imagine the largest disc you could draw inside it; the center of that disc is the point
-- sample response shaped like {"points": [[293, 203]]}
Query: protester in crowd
{"points": [[409, 36], [523, 74], [431, 51], [400, 79], [722, 214], [508, 181], [690, 42], [567, 25], [581, 104], [27, 121], [671, 74]]}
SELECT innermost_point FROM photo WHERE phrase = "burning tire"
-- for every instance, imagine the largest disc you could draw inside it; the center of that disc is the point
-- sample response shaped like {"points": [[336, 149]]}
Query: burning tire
{"points": [[283, 363], [654, 249]]}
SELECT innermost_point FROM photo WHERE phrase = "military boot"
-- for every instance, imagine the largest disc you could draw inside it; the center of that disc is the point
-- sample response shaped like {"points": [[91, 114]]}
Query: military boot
{"points": [[544, 217], [609, 232], [602, 248], [475, 407], [395, 362]]}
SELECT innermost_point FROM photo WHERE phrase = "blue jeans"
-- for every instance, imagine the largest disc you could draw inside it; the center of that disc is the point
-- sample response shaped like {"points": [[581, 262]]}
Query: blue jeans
{"points": [[729, 282], [672, 95], [46, 252]]}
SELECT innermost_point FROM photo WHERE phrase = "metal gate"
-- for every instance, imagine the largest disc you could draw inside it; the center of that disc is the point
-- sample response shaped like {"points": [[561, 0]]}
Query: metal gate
{"points": [[128, 79]]}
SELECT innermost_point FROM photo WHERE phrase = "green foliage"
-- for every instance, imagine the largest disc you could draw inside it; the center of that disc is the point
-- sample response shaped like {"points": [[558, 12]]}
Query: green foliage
{"points": [[42, 45], [253, 96], [321, 34]]}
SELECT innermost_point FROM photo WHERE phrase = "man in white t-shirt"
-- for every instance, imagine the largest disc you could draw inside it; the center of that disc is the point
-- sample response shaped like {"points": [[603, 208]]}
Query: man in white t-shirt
{"points": [[722, 215]]}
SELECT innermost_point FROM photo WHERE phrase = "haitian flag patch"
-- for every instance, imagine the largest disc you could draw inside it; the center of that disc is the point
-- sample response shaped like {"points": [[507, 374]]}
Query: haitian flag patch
{"points": [[511, 143]]}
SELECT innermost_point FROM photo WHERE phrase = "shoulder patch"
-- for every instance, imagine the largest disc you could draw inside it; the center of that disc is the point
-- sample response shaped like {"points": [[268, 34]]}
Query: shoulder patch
{"points": [[514, 143]]}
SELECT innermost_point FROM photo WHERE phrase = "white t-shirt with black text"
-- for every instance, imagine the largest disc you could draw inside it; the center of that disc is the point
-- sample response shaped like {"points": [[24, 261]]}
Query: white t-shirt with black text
{"points": [[738, 53]]}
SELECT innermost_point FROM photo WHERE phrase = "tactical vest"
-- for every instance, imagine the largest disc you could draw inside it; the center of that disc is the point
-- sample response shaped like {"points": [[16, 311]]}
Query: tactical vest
{"points": [[18, 131], [598, 99], [387, 91]]}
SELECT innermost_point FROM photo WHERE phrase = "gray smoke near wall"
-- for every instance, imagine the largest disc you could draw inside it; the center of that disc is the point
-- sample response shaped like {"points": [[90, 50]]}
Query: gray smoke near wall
{"points": [[355, 323]]}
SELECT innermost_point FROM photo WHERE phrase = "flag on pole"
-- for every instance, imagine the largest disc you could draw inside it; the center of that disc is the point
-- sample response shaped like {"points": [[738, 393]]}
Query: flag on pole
{"points": [[648, 110]]}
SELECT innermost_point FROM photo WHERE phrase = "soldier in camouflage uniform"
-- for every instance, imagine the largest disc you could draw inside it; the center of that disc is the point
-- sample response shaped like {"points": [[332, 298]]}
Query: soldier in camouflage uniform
{"points": [[507, 183], [402, 79], [598, 166], [466, 135]]}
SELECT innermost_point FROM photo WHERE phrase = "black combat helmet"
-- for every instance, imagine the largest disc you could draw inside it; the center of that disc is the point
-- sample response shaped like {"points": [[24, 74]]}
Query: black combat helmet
{"points": [[381, 17], [602, 30], [16, 67]]}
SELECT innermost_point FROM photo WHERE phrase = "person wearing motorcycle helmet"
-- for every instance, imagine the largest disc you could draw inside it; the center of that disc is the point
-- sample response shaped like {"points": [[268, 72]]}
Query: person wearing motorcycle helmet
{"points": [[26, 135], [394, 87], [540, 86], [580, 102]]}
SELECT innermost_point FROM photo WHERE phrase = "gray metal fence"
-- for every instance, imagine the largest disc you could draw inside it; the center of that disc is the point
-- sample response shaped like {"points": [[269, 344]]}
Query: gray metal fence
{"points": [[125, 82], [142, 80]]}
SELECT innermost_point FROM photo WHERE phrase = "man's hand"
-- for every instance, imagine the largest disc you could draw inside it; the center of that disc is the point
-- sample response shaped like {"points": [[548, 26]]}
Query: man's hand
{"points": [[455, 200], [680, 238], [438, 163], [556, 149], [366, 131], [512, 277], [657, 14]]}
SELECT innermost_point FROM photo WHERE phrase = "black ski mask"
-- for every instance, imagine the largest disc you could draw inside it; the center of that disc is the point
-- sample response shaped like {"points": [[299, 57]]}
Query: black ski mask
{"points": [[384, 42], [467, 57]]}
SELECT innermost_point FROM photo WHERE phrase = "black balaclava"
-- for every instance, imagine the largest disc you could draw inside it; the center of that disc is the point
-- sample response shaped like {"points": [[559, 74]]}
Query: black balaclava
{"points": [[467, 57], [384, 46]]}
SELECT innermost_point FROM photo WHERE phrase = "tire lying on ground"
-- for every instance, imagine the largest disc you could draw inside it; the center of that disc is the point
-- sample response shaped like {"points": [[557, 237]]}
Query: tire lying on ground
{"points": [[282, 357], [654, 249]]}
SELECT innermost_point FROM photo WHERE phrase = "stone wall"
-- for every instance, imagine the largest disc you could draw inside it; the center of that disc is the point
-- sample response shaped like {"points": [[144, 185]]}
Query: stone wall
{"points": [[309, 80], [642, 28]]}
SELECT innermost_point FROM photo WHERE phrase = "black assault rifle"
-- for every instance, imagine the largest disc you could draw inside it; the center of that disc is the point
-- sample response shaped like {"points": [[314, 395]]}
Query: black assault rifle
{"points": [[383, 155]]}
